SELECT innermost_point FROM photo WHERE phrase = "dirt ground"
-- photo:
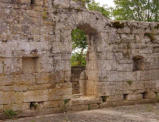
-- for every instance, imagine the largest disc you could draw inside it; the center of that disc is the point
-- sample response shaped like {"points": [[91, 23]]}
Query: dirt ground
{"points": [[134, 113]]}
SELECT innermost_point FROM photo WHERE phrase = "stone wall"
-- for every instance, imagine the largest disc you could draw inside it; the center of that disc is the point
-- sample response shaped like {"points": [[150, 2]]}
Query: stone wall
{"points": [[33, 70], [35, 50], [75, 78]]}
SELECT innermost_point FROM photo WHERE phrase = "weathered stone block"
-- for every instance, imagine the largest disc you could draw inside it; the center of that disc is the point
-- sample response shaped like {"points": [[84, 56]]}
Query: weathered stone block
{"points": [[36, 96], [16, 107], [61, 3], [133, 97]]}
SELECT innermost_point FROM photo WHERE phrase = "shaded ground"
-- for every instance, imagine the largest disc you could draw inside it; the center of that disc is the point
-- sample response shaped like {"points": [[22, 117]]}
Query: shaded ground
{"points": [[135, 113]]}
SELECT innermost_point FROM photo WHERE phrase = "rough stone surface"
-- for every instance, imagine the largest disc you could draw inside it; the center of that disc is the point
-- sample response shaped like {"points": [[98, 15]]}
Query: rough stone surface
{"points": [[35, 50], [75, 77]]}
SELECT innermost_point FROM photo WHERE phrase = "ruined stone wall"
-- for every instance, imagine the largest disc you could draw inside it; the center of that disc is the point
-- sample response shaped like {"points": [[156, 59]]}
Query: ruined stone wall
{"points": [[129, 64], [75, 78], [35, 50]]}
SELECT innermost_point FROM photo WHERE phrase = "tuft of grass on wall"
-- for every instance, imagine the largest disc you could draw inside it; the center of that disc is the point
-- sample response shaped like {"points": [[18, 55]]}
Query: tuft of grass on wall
{"points": [[10, 113], [151, 36]]}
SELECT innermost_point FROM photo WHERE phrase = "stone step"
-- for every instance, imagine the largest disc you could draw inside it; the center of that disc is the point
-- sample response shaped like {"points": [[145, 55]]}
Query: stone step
{"points": [[77, 95]]}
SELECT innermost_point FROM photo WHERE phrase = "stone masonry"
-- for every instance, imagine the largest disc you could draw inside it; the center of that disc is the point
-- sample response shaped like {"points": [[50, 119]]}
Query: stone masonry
{"points": [[35, 51], [75, 78]]}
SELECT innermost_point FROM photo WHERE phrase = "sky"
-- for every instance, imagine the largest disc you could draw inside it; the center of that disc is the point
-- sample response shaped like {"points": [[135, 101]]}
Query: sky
{"points": [[110, 3]]}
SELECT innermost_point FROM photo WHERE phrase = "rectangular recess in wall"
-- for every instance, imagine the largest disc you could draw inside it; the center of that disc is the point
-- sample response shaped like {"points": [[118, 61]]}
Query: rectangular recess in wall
{"points": [[30, 64], [125, 96]]}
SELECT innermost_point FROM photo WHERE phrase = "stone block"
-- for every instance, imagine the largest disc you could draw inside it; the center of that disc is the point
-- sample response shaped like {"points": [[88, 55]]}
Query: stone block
{"points": [[53, 104], [61, 3], [60, 94], [42, 78], [114, 98], [36, 96], [133, 97], [16, 107], [11, 97]]}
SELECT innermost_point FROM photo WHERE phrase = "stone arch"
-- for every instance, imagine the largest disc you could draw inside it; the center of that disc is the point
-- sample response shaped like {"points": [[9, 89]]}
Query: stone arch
{"points": [[92, 23]]}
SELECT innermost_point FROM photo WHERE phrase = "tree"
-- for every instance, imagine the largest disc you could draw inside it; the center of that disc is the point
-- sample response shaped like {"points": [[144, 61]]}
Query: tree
{"points": [[102, 9], [94, 6], [78, 59], [79, 46], [79, 40], [139, 10]]}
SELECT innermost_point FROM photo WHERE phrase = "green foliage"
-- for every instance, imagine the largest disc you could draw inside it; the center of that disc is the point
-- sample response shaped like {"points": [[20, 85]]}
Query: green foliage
{"points": [[157, 97], [105, 11], [139, 10], [151, 36], [79, 39], [78, 59], [66, 101], [89, 107], [33, 105], [10, 113], [94, 6], [79, 45]]}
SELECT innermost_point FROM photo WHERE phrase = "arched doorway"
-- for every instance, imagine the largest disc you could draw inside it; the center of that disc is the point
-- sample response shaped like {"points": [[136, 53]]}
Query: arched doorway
{"points": [[88, 76]]}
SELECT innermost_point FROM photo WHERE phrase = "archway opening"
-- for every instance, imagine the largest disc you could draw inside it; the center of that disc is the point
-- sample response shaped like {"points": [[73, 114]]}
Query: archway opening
{"points": [[78, 57], [83, 60]]}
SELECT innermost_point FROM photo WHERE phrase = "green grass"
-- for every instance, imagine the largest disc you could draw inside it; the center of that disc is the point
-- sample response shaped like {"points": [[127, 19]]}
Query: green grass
{"points": [[10, 113], [151, 36], [89, 107]]}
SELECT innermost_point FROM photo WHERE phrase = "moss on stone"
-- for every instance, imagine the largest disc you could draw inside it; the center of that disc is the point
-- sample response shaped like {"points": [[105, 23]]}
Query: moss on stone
{"points": [[129, 82]]}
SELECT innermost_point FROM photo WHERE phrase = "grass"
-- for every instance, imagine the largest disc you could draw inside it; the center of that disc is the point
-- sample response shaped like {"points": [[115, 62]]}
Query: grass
{"points": [[10, 113], [33, 105], [64, 107], [89, 107], [151, 36], [66, 101], [157, 97]]}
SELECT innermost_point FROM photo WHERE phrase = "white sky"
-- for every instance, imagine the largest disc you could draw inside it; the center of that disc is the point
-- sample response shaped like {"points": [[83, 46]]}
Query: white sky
{"points": [[110, 3]]}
